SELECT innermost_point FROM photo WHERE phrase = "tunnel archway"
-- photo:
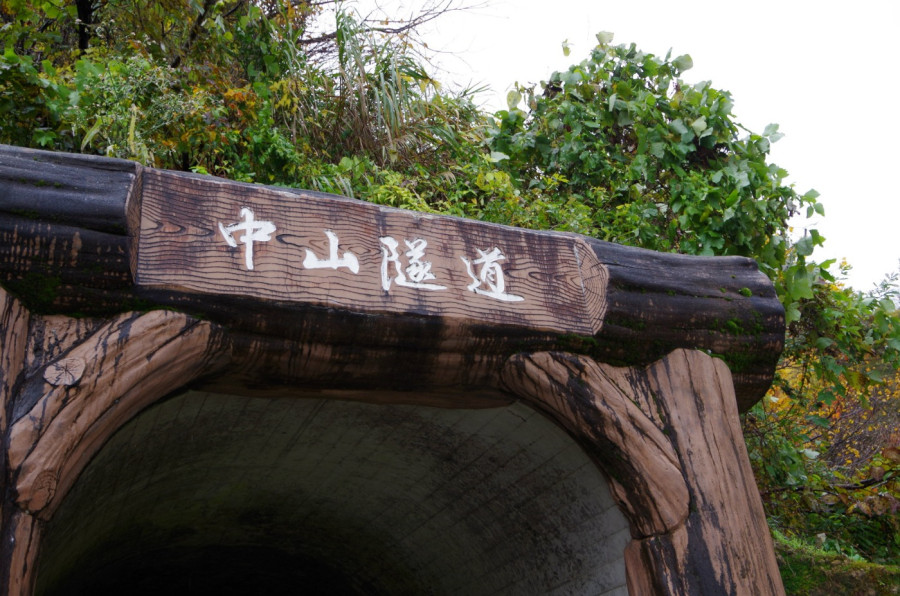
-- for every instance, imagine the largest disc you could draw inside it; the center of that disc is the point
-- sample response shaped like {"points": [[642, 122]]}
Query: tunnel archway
{"points": [[147, 290], [240, 494]]}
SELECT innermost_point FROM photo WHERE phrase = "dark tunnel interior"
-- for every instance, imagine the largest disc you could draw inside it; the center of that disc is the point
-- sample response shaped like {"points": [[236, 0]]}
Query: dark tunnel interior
{"points": [[226, 494]]}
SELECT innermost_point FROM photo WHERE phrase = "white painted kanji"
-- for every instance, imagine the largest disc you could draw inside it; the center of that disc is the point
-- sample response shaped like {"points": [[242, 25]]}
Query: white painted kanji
{"points": [[490, 280], [348, 259], [254, 231], [417, 272]]}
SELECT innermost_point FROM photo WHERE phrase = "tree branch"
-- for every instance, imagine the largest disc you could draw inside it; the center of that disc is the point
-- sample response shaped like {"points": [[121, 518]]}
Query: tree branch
{"points": [[195, 31]]}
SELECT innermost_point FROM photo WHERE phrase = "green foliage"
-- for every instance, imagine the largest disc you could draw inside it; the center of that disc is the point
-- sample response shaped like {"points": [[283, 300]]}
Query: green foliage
{"points": [[809, 570], [658, 162], [825, 442]]}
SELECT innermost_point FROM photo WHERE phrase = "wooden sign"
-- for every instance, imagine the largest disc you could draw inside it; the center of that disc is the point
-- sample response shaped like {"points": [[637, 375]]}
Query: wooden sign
{"points": [[213, 236], [100, 236]]}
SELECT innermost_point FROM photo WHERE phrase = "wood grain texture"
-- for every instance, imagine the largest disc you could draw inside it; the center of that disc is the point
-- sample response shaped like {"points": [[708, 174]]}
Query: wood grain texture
{"points": [[680, 411], [132, 361], [594, 404], [85, 235], [83, 191], [659, 302], [13, 341], [61, 268], [14, 323], [66, 372], [725, 546], [618, 304], [24, 542], [183, 249]]}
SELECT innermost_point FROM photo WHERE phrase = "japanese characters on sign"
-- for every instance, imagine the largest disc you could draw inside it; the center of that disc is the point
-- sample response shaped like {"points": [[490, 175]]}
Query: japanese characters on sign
{"points": [[254, 231], [407, 268]]}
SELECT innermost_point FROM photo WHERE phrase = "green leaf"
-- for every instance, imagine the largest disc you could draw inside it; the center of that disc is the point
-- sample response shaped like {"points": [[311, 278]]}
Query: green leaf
{"points": [[810, 454], [604, 38], [699, 125], [497, 156], [513, 98], [678, 126], [771, 132], [875, 376], [683, 62], [805, 246], [90, 133], [824, 342], [50, 9], [798, 283], [565, 48], [791, 313], [819, 420]]}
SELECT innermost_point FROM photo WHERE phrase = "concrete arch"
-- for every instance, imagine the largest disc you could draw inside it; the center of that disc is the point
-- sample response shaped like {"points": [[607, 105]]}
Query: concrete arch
{"points": [[348, 496]]}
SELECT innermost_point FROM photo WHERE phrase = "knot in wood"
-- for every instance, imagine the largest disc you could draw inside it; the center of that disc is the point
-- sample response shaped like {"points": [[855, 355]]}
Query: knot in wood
{"points": [[65, 372]]}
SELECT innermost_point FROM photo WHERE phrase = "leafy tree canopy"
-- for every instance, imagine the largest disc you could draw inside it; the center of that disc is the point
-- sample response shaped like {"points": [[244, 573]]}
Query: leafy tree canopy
{"points": [[618, 146]]}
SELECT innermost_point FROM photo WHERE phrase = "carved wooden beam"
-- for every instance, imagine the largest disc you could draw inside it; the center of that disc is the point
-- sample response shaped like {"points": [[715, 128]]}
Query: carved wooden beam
{"points": [[127, 364], [89, 235], [15, 525]]}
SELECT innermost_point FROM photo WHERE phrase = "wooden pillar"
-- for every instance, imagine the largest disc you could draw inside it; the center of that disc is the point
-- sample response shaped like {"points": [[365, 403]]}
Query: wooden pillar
{"points": [[67, 385], [16, 527], [668, 438]]}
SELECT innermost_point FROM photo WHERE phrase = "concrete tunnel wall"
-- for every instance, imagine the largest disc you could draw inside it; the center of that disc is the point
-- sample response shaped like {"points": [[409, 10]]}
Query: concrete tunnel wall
{"points": [[211, 492]]}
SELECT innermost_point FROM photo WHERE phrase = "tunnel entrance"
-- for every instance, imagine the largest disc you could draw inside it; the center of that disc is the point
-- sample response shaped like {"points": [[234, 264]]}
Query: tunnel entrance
{"points": [[208, 492], [624, 349]]}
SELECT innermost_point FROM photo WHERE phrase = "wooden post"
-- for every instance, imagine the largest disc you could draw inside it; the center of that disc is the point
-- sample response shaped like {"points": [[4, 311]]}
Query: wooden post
{"points": [[667, 436], [15, 525], [73, 384]]}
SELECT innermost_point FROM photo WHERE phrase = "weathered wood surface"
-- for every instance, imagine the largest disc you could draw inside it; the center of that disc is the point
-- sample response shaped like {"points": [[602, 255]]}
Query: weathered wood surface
{"points": [[669, 440], [66, 386], [340, 253], [87, 235], [14, 321], [63, 235], [131, 361], [298, 288], [21, 536]]}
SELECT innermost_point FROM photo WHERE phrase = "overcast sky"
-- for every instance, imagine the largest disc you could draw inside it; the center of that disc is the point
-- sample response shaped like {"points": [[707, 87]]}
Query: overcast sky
{"points": [[824, 71]]}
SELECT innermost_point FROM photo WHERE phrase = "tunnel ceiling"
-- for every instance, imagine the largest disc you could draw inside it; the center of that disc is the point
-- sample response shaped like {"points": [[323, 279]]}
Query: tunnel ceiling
{"points": [[240, 494]]}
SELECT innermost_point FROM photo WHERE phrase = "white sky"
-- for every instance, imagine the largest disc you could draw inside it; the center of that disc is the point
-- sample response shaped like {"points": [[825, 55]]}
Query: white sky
{"points": [[825, 71]]}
